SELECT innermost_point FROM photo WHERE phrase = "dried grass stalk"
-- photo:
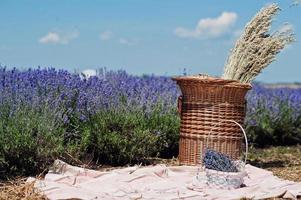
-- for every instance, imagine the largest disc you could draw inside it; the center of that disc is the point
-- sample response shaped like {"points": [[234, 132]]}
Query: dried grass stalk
{"points": [[256, 48], [20, 189]]}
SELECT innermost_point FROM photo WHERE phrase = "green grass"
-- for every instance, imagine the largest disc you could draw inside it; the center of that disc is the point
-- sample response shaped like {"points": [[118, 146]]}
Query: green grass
{"points": [[32, 138]]}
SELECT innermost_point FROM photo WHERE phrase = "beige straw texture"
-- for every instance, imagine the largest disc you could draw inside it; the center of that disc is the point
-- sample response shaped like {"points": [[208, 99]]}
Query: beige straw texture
{"points": [[257, 48]]}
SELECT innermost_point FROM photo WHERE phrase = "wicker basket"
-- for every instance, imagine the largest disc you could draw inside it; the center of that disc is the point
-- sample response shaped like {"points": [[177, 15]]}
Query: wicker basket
{"points": [[204, 102], [226, 180]]}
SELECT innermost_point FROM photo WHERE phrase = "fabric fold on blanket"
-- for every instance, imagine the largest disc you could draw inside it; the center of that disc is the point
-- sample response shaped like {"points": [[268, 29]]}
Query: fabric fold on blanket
{"points": [[64, 181]]}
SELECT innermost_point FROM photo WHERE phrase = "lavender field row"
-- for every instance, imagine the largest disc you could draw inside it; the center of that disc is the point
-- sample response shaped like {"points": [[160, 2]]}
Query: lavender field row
{"points": [[114, 118]]}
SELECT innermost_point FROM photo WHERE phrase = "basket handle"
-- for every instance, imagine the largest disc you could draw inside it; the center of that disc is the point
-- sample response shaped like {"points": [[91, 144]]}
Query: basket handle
{"points": [[245, 135]]}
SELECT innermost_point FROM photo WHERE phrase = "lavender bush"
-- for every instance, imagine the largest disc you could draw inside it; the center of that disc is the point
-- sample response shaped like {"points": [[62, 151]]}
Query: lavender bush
{"points": [[274, 116], [113, 118]]}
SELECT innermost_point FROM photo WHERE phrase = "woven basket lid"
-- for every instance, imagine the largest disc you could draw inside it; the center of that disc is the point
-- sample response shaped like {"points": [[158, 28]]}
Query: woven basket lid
{"points": [[206, 79]]}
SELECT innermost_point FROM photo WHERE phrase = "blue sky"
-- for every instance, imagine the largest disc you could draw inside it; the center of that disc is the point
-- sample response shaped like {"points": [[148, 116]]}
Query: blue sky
{"points": [[139, 36]]}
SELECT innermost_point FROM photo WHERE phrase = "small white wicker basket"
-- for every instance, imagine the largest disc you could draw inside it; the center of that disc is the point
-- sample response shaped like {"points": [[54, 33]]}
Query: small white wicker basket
{"points": [[227, 180]]}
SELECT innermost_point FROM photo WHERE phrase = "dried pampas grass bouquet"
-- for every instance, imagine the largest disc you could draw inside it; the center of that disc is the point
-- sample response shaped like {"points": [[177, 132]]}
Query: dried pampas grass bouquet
{"points": [[256, 48]]}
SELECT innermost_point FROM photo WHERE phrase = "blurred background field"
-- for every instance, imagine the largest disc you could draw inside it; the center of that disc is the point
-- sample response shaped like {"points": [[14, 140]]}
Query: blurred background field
{"points": [[118, 119]]}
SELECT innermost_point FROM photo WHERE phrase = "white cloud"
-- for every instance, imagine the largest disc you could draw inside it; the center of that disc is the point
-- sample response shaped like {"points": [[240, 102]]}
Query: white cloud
{"points": [[87, 73], [209, 27], [51, 37], [106, 35], [58, 38], [125, 41]]}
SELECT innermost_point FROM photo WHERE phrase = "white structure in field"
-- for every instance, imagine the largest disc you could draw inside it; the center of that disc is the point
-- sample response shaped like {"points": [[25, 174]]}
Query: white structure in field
{"points": [[88, 73]]}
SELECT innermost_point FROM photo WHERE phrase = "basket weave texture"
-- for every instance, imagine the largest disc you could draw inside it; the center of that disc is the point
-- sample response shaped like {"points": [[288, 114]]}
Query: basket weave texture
{"points": [[206, 101]]}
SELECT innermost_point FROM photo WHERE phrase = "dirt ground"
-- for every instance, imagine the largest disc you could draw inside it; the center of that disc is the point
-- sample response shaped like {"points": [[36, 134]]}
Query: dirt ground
{"points": [[284, 162]]}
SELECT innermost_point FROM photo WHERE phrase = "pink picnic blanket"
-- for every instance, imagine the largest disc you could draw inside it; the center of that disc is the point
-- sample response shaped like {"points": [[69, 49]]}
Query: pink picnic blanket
{"points": [[156, 182]]}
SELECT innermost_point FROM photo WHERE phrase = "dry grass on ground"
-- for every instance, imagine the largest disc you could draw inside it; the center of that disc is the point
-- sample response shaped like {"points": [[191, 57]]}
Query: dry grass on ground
{"points": [[284, 162], [19, 190]]}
